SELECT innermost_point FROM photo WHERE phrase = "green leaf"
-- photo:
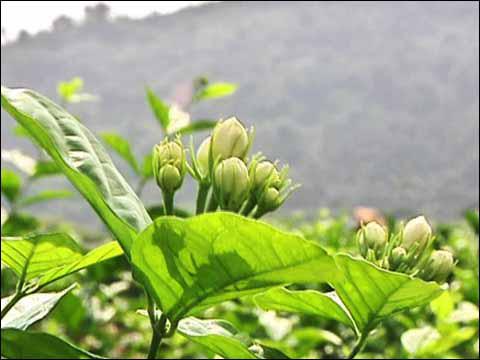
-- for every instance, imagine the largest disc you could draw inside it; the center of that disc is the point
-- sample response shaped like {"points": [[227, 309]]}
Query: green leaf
{"points": [[122, 147], [147, 169], [11, 184], [46, 168], [30, 309], [218, 336], [371, 294], [99, 254], [50, 257], [158, 210], [45, 195], [215, 90], [82, 159], [192, 264], [159, 108], [19, 344], [309, 302], [19, 224], [66, 89], [199, 125], [473, 219], [33, 255]]}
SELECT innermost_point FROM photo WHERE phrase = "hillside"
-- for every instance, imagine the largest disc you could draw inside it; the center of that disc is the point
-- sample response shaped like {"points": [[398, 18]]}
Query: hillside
{"points": [[371, 104]]}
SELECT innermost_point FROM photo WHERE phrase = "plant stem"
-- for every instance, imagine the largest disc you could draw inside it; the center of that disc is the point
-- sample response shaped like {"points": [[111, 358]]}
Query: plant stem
{"points": [[249, 206], [202, 197], [154, 344], [16, 297], [212, 203], [359, 345], [168, 202]]}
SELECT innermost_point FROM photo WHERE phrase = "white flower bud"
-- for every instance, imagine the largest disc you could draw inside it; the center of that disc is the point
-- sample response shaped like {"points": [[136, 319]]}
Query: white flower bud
{"points": [[417, 231], [203, 155], [231, 183], [438, 268], [229, 139]]}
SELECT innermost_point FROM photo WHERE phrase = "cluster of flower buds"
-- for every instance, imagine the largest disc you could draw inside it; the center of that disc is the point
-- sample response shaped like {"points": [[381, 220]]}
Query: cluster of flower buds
{"points": [[407, 251], [252, 187], [169, 168]]}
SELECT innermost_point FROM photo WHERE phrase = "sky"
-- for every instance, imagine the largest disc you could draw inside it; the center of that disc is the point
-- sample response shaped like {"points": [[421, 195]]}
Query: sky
{"points": [[34, 16]]}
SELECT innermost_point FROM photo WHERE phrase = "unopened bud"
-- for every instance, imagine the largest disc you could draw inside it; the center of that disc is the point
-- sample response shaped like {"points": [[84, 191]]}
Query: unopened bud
{"points": [[230, 139], [270, 200], [231, 183], [265, 173], [397, 257], [373, 236], [203, 155], [417, 231], [169, 165], [439, 266]]}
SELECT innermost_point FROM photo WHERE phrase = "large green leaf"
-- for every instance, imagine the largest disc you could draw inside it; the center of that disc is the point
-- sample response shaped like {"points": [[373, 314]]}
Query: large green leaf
{"points": [[19, 344], [122, 148], [159, 108], [215, 90], [309, 302], [372, 294], [191, 264], [31, 308], [49, 257], [219, 336], [45, 195], [82, 159], [11, 184]]}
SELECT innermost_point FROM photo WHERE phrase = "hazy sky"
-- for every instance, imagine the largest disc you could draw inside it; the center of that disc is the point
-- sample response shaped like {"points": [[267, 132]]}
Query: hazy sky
{"points": [[34, 16]]}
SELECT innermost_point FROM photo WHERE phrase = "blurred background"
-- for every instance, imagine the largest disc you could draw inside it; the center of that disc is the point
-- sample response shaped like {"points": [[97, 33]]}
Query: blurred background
{"points": [[371, 104]]}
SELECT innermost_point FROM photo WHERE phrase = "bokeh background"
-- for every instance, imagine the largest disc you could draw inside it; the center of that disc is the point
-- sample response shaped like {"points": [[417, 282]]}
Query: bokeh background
{"points": [[371, 104]]}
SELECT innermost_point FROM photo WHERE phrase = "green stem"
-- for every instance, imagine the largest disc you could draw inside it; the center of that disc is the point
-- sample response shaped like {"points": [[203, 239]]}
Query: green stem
{"points": [[249, 206], [212, 203], [202, 197], [16, 298], [168, 202], [154, 344], [359, 345]]}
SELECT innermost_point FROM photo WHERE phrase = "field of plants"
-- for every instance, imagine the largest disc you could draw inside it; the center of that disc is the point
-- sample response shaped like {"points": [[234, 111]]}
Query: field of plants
{"points": [[220, 280]]}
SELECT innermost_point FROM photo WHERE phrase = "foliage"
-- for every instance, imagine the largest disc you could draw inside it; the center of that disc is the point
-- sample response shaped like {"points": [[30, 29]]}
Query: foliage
{"points": [[217, 283]]}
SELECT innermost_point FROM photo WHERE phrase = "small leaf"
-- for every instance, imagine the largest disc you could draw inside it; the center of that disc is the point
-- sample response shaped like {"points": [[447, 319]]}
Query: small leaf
{"points": [[18, 224], [45, 195], [215, 90], [31, 308], [371, 294], [147, 169], [66, 89], [82, 159], [159, 108], [122, 147], [19, 344], [218, 336], [309, 302], [158, 210], [46, 168], [473, 219], [197, 126], [191, 264], [11, 184]]}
